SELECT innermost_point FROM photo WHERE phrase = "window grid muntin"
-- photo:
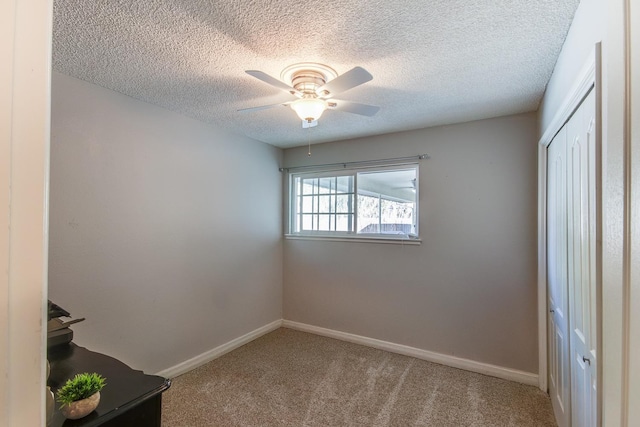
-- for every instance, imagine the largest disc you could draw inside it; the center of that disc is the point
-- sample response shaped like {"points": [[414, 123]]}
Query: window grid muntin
{"points": [[324, 196]]}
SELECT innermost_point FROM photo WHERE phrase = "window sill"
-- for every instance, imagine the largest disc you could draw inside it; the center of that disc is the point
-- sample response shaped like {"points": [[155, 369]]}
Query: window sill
{"points": [[359, 239]]}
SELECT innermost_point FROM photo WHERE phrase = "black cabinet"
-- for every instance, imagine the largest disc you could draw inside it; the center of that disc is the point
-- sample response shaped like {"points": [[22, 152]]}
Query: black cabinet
{"points": [[130, 398]]}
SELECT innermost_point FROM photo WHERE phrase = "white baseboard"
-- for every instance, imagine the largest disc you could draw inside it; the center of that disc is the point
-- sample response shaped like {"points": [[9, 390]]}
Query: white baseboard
{"points": [[443, 359], [214, 353]]}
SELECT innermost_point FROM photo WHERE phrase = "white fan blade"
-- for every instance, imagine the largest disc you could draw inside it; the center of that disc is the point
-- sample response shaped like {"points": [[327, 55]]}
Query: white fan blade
{"points": [[353, 107], [272, 81], [352, 78], [306, 124], [263, 107]]}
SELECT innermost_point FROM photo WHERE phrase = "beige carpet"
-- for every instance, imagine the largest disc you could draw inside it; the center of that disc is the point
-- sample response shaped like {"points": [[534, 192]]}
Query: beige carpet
{"points": [[291, 378]]}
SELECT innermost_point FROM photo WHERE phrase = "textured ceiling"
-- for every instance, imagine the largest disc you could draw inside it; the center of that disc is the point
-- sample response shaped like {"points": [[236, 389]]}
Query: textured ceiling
{"points": [[433, 62]]}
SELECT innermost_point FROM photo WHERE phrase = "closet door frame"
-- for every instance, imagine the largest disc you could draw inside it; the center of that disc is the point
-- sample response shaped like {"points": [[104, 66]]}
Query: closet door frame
{"points": [[588, 79]]}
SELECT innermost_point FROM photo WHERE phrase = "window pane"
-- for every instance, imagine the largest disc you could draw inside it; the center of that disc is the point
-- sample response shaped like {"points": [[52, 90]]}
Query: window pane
{"points": [[386, 201], [309, 186], [368, 214], [324, 204], [345, 184], [342, 222], [397, 217], [343, 203], [307, 204], [323, 223], [307, 223], [326, 184]]}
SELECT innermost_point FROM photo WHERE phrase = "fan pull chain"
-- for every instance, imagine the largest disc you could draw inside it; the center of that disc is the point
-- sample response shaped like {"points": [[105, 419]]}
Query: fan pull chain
{"points": [[309, 141]]}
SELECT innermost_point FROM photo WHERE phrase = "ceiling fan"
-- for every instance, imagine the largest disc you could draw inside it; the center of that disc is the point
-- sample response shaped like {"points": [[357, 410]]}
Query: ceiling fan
{"points": [[315, 85], [411, 187]]}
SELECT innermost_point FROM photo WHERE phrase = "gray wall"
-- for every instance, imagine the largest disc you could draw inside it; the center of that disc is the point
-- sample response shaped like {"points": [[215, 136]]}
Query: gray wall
{"points": [[165, 233], [470, 289], [587, 28]]}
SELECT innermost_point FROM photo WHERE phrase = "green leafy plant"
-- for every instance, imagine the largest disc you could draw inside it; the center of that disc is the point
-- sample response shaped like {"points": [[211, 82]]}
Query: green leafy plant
{"points": [[80, 387]]}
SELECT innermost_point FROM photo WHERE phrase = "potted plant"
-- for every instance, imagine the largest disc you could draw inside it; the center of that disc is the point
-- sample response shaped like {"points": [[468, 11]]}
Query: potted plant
{"points": [[80, 395]]}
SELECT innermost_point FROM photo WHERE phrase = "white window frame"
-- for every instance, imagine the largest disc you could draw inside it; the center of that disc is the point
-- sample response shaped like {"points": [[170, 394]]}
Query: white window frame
{"points": [[351, 236]]}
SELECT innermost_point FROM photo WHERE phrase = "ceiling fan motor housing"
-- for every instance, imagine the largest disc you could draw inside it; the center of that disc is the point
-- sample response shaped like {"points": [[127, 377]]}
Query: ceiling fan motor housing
{"points": [[307, 81], [307, 77]]}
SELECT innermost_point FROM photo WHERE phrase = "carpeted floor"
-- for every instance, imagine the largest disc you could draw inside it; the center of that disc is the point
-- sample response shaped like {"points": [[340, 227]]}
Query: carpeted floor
{"points": [[291, 378]]}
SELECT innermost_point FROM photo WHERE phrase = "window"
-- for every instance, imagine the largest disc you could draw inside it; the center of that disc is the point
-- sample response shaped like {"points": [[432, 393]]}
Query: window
{"points": [[372, 202]]}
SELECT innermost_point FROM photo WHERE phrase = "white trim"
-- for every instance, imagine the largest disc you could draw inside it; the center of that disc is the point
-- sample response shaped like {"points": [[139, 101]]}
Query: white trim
{"points": [[584, 83], [214, 353], [618, 81], [25, 73], [392, 241], [443, 359], [542, 269], [599, 236]]}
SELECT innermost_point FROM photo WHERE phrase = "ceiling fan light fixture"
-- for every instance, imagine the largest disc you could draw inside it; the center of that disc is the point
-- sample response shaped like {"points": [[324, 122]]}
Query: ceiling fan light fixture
{"points": [[315, 85], [309, 109]]}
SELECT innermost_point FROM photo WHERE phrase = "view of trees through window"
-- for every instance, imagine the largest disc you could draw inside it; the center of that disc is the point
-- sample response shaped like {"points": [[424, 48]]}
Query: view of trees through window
{"points": [[379, 215]]}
